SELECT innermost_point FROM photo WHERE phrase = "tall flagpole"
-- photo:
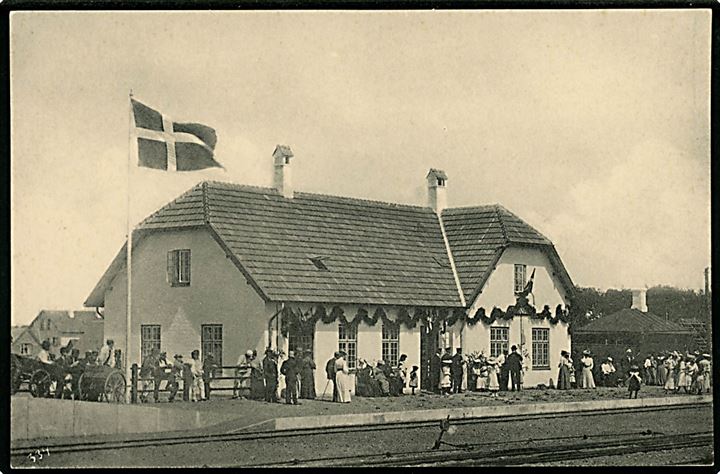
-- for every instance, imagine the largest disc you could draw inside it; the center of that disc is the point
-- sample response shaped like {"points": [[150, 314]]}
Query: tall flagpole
{"points": [[128, 310]]}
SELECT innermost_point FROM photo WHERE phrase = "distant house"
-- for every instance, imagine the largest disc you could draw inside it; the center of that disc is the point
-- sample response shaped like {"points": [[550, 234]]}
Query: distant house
{"points": [[24, 342], [632, 328], [84, 328], [225, 268]]}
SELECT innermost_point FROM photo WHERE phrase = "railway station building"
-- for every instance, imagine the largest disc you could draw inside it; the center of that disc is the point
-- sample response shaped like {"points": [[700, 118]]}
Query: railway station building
{"points": [[226, 267]]}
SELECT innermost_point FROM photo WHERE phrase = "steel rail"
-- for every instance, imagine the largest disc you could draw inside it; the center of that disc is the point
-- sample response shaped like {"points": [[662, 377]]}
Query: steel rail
{"points": [[512, 456], [21, 449]]}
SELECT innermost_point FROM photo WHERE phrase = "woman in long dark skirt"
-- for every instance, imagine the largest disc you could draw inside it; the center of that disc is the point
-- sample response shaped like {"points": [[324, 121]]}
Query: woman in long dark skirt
{"points": [[307, 377], [564, 373]]}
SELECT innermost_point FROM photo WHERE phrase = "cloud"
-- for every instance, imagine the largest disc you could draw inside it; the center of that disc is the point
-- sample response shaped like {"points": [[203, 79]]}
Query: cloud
{"points": [[634, 224]]}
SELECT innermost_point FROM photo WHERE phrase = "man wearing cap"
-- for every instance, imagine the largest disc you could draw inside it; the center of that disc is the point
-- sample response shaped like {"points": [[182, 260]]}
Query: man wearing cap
{"points": [[270, 374], [289, 369], [514, 365], [331, 374], [163, 371], [627, 361]]}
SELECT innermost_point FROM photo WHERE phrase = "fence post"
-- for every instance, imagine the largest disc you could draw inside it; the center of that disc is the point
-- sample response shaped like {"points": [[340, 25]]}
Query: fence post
{"points": [[133, 383]]}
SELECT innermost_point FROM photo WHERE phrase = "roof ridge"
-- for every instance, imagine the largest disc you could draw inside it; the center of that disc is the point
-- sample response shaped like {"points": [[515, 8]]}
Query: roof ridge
{"points": [[476, 206], [230, 185], [500, 206], [365, 200]]}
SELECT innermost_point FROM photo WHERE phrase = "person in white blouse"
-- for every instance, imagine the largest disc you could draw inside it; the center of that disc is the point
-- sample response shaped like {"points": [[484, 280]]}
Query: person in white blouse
{"points": [[44, 354]]}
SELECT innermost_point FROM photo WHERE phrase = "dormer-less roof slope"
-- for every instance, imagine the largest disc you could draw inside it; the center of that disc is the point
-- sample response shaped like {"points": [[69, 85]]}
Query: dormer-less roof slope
{"points": [[375, 252], [477, 237], [633, 321]]}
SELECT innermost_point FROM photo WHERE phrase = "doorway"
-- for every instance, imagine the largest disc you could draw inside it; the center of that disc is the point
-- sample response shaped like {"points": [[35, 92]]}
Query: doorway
{"points": [[428, 348]]}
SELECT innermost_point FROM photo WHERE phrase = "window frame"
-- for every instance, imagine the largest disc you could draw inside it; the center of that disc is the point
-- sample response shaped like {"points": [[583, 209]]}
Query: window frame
{"points": [[519, 284], [348, 344], [146, 346], [390, 343], [540, 343], [25, 348], [215, 343], [499, 344], [179, 267]]}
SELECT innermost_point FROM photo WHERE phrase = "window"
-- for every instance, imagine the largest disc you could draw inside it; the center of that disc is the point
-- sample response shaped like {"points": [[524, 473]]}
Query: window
{"points": [[519, 278], [390, 343], [54, 341], [149, 339], [178, 267], [540, 348], [212, 341], [347, 341], [25, 348], [441, 182], [499, 338]]}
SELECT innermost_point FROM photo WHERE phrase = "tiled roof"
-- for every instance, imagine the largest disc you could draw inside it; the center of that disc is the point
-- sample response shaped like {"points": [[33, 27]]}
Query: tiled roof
{"points": [[631, 320], [477, 237], [375, 252], [62, 322], [15, 331]]}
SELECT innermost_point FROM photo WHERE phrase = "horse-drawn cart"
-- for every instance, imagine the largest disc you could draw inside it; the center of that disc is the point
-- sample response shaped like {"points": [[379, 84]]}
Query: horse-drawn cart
{"points": [[102, 383], [87, 382]]}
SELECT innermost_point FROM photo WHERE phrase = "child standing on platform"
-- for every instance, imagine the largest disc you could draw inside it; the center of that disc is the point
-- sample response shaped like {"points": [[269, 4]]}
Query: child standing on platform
{"points": [[414, 378]]}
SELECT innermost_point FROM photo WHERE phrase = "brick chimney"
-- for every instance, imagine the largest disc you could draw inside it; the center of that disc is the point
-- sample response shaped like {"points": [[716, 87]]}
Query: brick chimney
{"points": [[639, 300], [437, 190], [283, 173]]}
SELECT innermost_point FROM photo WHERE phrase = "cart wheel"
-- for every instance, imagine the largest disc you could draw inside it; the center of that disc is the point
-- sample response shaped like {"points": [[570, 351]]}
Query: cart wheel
{"points": [[115, 388], [82, 394], [40, 384]]}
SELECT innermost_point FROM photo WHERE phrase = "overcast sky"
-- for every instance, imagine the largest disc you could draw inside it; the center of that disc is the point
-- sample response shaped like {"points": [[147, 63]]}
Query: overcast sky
{"points": [[591, 125]]}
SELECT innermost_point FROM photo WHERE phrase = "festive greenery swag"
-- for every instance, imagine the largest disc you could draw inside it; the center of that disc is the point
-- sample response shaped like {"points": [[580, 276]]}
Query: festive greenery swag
{"points": [[299, 320]]}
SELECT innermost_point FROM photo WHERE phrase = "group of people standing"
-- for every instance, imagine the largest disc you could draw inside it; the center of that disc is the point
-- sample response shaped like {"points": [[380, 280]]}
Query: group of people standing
{"points": [[670, 370], [195, 374], [260, 379], [457, 373]]}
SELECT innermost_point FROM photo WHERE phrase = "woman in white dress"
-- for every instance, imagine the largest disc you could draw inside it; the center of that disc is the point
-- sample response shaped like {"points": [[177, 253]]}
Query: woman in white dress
{"points": [[493, 384], [670, 369], [587, 367], [342, 378]]}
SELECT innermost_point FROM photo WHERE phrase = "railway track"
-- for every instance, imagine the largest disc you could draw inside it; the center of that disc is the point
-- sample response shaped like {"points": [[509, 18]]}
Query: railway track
{"points": [[21, 449], [484, 454]]}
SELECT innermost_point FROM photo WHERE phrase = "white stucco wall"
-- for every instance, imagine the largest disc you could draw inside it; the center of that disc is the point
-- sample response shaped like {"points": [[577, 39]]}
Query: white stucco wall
{"points": [[499, 291], [218, 294]]}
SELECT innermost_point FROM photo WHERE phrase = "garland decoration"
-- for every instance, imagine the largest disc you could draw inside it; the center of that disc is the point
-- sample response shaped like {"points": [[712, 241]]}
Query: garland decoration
{"points": [[297, 320], [403, 317]]}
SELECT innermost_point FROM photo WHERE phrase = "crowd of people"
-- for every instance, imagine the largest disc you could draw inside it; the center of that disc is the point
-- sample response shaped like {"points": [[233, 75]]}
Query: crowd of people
{"points": [[66, 367], [671, 370]]}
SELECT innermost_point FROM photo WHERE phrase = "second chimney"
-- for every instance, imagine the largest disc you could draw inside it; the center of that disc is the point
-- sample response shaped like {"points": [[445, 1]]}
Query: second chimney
{"points": [[639, 300], [437, 197], [283, 176]]}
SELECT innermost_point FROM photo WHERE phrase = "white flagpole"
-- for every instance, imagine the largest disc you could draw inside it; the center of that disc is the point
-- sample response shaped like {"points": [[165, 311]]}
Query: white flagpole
{"points": [[128, 310]]}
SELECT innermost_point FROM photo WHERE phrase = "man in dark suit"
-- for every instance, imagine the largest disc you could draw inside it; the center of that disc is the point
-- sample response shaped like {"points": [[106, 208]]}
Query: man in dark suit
{"points": [[330, 372], [626, 362], [514, 364], [270, 372], [435, 371], [289, 369], [504, 370], [456, 371]]}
